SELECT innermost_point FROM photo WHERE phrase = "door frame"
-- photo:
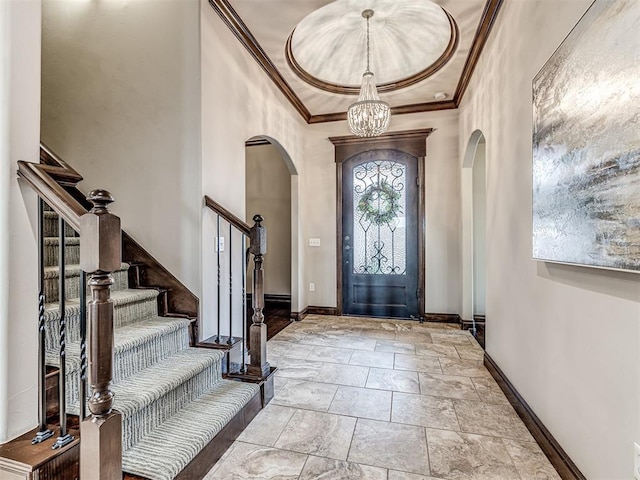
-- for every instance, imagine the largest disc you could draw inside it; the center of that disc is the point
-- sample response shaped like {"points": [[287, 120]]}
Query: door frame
{"points": [[413, 142]]}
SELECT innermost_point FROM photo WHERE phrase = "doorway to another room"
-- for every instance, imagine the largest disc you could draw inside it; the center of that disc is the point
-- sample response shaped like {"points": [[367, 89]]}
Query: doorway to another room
{"points": [[268, 180]]}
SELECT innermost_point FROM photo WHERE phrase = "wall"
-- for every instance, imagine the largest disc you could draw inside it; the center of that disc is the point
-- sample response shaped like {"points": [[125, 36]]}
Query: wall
{"points": [[442, 186], [121, 104], [19, 140], [479, 230], [268, 192], [239, 102], [567, 337]]}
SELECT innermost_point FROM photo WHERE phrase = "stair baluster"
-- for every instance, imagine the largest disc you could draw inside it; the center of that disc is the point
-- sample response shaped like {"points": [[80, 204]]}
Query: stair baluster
{"points": [[100, 254], [64, 438], [219, 299], [230, 339], [83, 345], [43, 431], [243, 368]]}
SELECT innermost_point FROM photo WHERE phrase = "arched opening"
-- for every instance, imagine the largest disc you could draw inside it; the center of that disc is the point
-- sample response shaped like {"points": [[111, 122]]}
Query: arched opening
{"points": [[474, 201], [271, 190]]}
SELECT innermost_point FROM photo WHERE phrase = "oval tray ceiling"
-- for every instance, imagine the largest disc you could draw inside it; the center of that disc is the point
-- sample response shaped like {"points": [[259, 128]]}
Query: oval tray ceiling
{"points": [[410, 41]]}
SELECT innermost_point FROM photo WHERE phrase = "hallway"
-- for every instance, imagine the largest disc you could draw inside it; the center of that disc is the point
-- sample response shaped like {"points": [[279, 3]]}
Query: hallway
{"points": [[360, 398]]}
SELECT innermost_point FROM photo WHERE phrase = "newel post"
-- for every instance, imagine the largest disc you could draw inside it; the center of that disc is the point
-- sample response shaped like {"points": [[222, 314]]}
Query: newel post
{"points": [[100, 255], [258, 331]]}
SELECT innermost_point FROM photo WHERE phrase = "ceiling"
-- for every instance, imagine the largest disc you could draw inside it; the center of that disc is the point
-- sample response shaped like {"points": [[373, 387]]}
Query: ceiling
{"points": [[315, 50]]}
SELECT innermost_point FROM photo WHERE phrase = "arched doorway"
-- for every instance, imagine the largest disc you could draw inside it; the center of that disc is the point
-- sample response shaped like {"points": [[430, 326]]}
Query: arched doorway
{"points": [[474, 203], [271, 190]]}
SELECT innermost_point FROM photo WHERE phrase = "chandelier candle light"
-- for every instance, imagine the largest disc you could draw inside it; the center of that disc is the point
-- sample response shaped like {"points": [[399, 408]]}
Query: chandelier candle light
{"points": [[369, 116]]}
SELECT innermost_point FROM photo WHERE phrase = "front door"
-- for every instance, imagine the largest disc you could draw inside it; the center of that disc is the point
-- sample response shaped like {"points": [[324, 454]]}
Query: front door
{"points": [[380, 234]]}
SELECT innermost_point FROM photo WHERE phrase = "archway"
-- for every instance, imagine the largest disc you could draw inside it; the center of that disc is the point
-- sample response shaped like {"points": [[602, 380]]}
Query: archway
{"points": [[271, 190], [473, 189]]}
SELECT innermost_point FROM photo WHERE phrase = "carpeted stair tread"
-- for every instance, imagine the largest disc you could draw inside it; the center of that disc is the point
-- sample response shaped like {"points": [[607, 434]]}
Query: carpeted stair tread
{"points": [[134, 393], [72, 281], [52, 251], [165, 451], [142, 343]]}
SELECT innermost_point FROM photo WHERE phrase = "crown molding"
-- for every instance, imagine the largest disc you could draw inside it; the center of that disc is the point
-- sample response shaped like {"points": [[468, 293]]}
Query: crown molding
{"points": [[233, 21]]}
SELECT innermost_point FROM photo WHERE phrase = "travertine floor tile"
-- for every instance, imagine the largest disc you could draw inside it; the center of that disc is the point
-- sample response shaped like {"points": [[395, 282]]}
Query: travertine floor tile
{"points": [[498, 420], [465, 456], [372, 359], [246, 461], [302, 394], [396, 475], [436, 350], [417, 363], [489, 390], [295, 368], [424, 410], [350, 375], [317, 433], [530, 461], [449, 339], [450, 386], [330, 354], [470, 353], [464, 368], [286, 349], [388, 445], [413, 336], [358, 343], [318, 468], [267, 426], [395, 380], [362, 402], [395, 347]]}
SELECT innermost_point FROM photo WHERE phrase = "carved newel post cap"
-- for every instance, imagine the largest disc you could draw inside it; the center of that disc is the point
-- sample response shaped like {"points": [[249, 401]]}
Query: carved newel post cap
{"points": [[100, 248], [258, 237], [258, 219], [100, 199]]}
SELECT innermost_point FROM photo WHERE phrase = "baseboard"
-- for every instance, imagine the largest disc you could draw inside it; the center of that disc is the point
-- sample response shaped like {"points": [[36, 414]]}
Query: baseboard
{"points": [[550, 446], [297, 316], [443, 318], [479, 318], [272, 298], [311, 310]]}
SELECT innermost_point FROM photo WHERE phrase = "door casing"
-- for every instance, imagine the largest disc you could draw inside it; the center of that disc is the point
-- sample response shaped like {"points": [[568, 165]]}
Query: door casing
{"points": [[412, 142]]}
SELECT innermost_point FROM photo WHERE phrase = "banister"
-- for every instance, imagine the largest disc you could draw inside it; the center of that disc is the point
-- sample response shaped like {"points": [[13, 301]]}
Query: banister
{"points": [[227, 215], [42, 178]]}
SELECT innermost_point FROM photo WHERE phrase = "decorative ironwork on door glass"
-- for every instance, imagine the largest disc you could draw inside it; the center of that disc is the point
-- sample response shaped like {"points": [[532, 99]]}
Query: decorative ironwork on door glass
{"points": [[379, 206]]}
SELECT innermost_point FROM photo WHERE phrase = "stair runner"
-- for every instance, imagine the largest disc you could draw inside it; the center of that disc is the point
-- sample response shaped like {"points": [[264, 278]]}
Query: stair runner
{"points": [[172, 397]]}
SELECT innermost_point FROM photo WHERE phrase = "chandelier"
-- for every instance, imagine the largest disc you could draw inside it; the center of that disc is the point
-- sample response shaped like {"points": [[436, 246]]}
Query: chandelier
{"points": [[369, 116]]}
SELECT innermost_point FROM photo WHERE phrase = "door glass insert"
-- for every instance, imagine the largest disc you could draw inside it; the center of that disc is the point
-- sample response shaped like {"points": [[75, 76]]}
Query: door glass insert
{"points": [[379, 206]]}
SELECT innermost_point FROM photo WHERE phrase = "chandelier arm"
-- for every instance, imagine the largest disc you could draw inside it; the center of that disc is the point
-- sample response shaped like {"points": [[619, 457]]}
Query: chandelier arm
{"points": [[368, 68]]}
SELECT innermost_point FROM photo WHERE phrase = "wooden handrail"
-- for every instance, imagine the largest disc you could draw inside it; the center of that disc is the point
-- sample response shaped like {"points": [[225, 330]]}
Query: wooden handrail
{"points": [[44, 180], [227, 215]]}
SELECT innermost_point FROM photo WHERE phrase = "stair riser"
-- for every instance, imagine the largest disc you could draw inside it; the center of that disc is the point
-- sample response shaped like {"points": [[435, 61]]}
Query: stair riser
{"points": [[50, 225], [52, 252], [72, 284], [122, 315]]}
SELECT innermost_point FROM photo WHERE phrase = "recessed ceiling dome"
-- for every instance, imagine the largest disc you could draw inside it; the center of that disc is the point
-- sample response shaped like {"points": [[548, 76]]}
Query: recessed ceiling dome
{"points": [[410, 40]]}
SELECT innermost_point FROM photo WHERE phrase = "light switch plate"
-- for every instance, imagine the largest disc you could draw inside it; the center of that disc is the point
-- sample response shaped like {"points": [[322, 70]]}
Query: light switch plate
{"points": [[314, 242], [312, 287], [636, 461], [220, 244]]}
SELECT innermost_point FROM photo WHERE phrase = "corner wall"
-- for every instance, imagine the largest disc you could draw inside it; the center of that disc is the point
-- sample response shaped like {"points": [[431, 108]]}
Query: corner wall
{"points": [[239, 102], [121, 104], [19, 140], [442, 188], [567, 337]]}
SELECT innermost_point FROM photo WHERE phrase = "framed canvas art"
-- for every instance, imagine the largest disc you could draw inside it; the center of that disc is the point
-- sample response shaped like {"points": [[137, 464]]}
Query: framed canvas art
{"points": [[586, 143]]}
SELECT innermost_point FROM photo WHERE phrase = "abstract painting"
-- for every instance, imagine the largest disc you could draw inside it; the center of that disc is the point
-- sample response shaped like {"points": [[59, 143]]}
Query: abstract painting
{"points": [[586, 143]]}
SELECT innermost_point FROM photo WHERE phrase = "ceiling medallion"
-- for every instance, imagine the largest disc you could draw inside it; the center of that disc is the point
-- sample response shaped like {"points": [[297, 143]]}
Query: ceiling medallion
{"points": [[412, 40]]}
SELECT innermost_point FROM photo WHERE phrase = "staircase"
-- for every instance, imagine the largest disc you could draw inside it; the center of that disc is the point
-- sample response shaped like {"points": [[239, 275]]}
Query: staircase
{"points": [[172, 397]]}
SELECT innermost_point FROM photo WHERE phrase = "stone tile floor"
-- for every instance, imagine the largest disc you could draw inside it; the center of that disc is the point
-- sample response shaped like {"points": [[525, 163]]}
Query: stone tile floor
{"points": [[373, 399]]}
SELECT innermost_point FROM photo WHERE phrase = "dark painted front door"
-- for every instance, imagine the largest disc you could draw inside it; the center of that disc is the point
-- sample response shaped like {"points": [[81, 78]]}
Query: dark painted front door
{"points": [[380, 234]]}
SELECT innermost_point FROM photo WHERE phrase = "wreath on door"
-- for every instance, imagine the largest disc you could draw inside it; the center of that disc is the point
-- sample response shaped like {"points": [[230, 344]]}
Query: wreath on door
{"points": [[380, 203]]}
